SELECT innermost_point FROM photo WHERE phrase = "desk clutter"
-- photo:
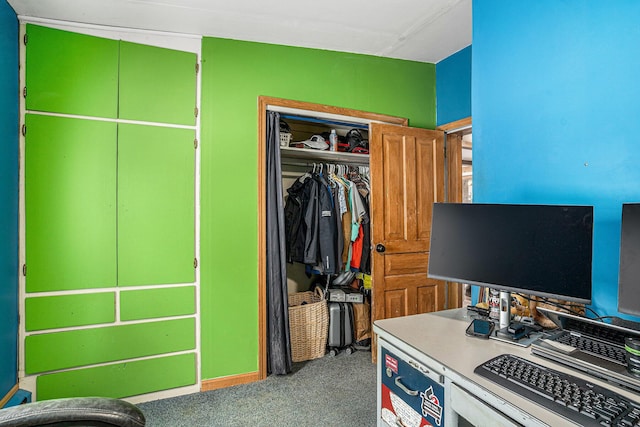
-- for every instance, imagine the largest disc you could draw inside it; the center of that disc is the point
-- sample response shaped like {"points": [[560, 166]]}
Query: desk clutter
{"points": [[526, 314], [561, 332]]}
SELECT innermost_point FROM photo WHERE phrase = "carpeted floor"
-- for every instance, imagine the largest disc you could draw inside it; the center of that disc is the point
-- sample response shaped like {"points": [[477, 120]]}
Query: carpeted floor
{"points": [[331, 391]]}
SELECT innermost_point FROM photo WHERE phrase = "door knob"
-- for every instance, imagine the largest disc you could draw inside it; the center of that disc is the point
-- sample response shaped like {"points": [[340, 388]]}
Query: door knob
{"points": [[380, 248]]}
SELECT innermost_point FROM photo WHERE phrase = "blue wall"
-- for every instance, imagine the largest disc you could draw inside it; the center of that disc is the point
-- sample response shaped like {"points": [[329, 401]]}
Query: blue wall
{"points": [[8, 197], [453, 87], [556, 113]]}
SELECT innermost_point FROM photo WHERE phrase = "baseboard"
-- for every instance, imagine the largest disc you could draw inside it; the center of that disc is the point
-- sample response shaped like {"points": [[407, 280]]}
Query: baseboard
{"points": [[8, 396], [229, 381]]}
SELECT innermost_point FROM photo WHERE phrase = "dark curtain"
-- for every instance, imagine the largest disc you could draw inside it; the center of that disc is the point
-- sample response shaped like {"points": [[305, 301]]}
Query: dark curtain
{"points": [[279, 347]]}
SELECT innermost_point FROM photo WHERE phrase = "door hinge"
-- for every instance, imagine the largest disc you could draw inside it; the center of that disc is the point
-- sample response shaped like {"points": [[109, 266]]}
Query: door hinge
{"points": [[197, 68], [195, 144], [24, 92], [195, 263], [24, 270], [25, 39], [24, 130], [195, 111]]}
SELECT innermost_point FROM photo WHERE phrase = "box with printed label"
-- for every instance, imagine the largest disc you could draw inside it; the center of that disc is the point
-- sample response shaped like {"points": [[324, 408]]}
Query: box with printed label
{"points": [[355, 297], [337, 295]]}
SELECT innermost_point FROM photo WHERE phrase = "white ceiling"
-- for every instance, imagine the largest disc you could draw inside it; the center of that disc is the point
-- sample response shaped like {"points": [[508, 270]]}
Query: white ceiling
{"points": [[418, 30]]}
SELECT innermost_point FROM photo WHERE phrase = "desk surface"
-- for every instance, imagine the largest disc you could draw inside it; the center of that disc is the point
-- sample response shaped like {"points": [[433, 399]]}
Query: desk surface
{"points": [[440, 338]]}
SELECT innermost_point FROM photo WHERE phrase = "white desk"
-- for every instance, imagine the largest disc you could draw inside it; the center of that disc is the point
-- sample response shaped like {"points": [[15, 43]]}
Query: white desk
{"points": [[438, 343]]}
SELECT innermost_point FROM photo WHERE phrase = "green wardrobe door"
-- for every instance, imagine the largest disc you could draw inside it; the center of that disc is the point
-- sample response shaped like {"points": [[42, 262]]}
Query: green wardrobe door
{"points": [[70, 194], [156, 205], [71, 73], [157, 84]]}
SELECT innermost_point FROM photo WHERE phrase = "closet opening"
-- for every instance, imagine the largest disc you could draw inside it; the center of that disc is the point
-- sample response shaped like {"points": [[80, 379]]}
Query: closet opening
{"points": [[299, 161], [312, 123]]}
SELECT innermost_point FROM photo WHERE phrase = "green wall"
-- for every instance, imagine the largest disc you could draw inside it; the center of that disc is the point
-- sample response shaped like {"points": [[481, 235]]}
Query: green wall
{"points": [[234, 74]]}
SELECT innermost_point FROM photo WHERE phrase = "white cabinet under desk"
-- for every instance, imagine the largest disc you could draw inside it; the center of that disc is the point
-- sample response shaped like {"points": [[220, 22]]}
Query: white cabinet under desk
{"points": [[436, 346]]}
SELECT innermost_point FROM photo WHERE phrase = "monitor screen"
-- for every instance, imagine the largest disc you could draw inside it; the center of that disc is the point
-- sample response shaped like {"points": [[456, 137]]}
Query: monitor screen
{"points": [[542, 250], [629, 277]]}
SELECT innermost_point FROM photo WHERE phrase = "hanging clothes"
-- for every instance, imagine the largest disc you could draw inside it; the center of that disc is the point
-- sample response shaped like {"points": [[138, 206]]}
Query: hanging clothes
{"points": [[295, 227], [327, 226], [327, 221]]}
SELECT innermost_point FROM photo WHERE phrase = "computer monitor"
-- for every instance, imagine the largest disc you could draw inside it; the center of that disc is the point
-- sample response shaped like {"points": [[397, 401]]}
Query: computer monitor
{"points": [[542, 250], [629, 273]]}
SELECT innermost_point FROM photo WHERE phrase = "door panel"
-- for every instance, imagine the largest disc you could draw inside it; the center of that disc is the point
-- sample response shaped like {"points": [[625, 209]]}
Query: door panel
{"points": [[406, 263], [396, 302], [71, 73], [407, 177], [70, 195], [428, 176], [394, 180], [157, 84], [405, 281], [429, 298], [156, 205]]}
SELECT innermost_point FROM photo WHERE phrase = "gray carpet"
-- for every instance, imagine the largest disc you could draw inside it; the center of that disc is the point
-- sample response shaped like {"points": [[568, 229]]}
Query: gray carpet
{"points": [[331, 391]]}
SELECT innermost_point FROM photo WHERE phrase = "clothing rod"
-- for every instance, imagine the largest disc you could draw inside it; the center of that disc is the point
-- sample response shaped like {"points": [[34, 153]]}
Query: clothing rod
{"points": [[310, 164]]}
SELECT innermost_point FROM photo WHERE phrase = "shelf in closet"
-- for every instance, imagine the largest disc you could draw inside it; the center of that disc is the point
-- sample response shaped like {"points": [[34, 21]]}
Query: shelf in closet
{"points": [[308, 155]]}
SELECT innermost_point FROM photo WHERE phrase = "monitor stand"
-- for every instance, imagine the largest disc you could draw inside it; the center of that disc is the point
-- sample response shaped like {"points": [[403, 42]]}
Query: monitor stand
{"points": [[518, 334], [505, 309]]}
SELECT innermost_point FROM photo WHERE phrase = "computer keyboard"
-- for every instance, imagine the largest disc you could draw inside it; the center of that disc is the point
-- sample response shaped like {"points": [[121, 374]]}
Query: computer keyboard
{"points": [[571, 397], [595, 347], [601, 331]]}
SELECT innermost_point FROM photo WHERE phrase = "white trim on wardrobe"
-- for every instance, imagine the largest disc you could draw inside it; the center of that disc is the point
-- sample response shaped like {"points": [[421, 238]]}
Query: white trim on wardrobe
{"points": [[105, 119]]}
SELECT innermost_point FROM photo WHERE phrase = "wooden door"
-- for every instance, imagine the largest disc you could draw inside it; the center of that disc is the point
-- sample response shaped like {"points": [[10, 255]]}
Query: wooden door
{"points": [[407, 176]]}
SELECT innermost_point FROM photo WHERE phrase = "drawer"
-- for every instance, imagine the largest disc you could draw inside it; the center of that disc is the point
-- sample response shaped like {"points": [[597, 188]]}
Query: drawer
{"points": [[411, 394], [476, 412]]}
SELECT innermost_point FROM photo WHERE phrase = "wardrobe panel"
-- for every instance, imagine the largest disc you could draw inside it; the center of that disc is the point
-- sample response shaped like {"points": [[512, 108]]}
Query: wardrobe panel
{"points": [[70, 209], [50, 351], [157, 84], [64, 311], [71, 73], [156, 205], [120, 380], [161, 302]]}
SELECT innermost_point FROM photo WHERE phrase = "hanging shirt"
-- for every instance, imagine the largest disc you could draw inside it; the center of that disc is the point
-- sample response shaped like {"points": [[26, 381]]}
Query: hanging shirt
{"points": [[356, 254], [357, 210], [311, 223], [338, 221], [346, 232], [327, 232]]}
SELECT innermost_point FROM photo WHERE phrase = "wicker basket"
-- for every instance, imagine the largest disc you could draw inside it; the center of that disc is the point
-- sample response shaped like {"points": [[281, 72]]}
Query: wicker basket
{"points": [[308, 325]]}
